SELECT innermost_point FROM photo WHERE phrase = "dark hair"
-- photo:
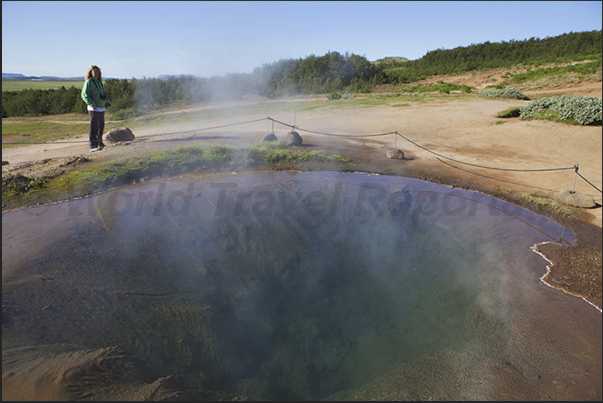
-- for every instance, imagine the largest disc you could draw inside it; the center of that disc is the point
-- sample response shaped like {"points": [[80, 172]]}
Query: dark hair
{"points": [[89, 73]]}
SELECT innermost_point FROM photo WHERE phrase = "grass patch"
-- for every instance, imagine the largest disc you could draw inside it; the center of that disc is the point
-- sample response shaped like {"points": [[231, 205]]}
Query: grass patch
{"points": [[19, 85], [20, 131], [441, 87], [21, 185], [380, 100], [66, 117], [555, 117], [16, 134], [561, 209], [511, 93], [509, 113], [583, 70], [203, 158]]}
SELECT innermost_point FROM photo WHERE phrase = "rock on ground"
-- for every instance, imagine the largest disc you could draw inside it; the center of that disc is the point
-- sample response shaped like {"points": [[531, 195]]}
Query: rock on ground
{"points": [[395, 154], [576, 199], [293, 139], [269, 137], [117, 135]]}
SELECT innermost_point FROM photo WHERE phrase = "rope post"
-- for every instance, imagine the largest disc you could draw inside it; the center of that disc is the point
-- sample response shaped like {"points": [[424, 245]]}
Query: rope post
{"points": [[396, 140], [294, 120], [576, 167]]}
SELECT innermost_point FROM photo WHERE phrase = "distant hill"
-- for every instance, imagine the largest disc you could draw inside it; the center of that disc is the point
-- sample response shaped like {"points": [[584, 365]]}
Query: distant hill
{"points": [[166, 76], [392, 59], [14, 76]]}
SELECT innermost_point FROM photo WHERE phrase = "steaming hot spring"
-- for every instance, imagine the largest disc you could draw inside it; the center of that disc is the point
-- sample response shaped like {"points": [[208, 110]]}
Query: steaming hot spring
{"points": [[288, 286]]}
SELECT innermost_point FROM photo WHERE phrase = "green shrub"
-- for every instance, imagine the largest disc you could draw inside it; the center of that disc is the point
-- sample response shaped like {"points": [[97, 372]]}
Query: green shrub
{"points": [[334, 95], [500, 86], [584, 69], [509, 113], [443, 88], [358, 86], [505, 93], [123, 114], [586, 111]]}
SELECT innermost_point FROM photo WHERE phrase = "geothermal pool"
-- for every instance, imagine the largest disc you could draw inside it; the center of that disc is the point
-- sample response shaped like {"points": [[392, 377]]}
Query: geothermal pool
{"points": [[290, 286]]}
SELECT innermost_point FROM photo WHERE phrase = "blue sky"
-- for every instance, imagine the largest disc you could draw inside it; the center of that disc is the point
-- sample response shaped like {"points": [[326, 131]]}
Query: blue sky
{"points": [[149, 38]]}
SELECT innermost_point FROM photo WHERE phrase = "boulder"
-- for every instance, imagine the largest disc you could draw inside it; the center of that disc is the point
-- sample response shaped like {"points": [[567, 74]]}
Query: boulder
{"points": [[121, 134], [395, 154], [269, 137], [576, 199], [293, 139]]}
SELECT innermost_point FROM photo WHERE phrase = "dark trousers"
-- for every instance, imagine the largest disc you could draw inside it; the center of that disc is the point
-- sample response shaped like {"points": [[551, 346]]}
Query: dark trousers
{"points": [[97, 125]]}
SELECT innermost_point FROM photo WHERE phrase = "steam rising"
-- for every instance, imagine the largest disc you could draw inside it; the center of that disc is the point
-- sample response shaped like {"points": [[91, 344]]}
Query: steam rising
{"points": [[297, 286]]}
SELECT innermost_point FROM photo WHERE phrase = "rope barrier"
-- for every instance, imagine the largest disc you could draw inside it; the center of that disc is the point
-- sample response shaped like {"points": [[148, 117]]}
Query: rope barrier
{"points": [[580, 175], [330, 134], [396, 133], [216, 127], [482, 166], [418, 145], [433, 152]]}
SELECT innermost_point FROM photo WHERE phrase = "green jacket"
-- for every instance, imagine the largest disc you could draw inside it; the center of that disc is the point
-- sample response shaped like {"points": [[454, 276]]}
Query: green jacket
{"points": [[92, 91]]}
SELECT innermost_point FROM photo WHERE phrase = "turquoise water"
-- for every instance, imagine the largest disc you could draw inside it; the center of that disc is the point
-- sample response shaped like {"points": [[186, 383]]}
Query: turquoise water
{"points": [[297, 286]]}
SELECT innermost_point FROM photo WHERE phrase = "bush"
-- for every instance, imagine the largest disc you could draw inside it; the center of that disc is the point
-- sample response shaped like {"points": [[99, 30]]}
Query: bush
{"points": [[443, 88], [586, 111], [334, 95], [509, 113], [123, 114], [500, 86], [505, 93]]}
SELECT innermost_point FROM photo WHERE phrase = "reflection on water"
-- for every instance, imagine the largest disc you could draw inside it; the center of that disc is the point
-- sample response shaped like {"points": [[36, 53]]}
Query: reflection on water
{"points": [[298, 286]]}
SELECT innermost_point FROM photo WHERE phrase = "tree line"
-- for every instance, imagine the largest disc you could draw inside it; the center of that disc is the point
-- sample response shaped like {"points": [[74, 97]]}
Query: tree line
{"points": [[310, 75], [533, 51]]}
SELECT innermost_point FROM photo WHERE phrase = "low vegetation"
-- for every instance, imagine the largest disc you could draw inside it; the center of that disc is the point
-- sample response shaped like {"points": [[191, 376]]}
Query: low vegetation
{"points": [[20, 85], [510, 93], [509, 113], [18, 134], [441, 87], [582, 70], [534, 52], [169, 162], [586, 111], [541, 201]]}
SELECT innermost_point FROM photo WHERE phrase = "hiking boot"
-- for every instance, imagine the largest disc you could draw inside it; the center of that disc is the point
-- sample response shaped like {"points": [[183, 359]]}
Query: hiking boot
{"points": [[95, 149]]}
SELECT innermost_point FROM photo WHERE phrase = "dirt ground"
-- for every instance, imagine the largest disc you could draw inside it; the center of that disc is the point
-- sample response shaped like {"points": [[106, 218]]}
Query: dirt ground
{"points": [[465, 130]]}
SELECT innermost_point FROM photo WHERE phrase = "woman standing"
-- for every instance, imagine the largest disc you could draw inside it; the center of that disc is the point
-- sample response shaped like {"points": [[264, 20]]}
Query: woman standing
{"points": [[94, 96]]}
